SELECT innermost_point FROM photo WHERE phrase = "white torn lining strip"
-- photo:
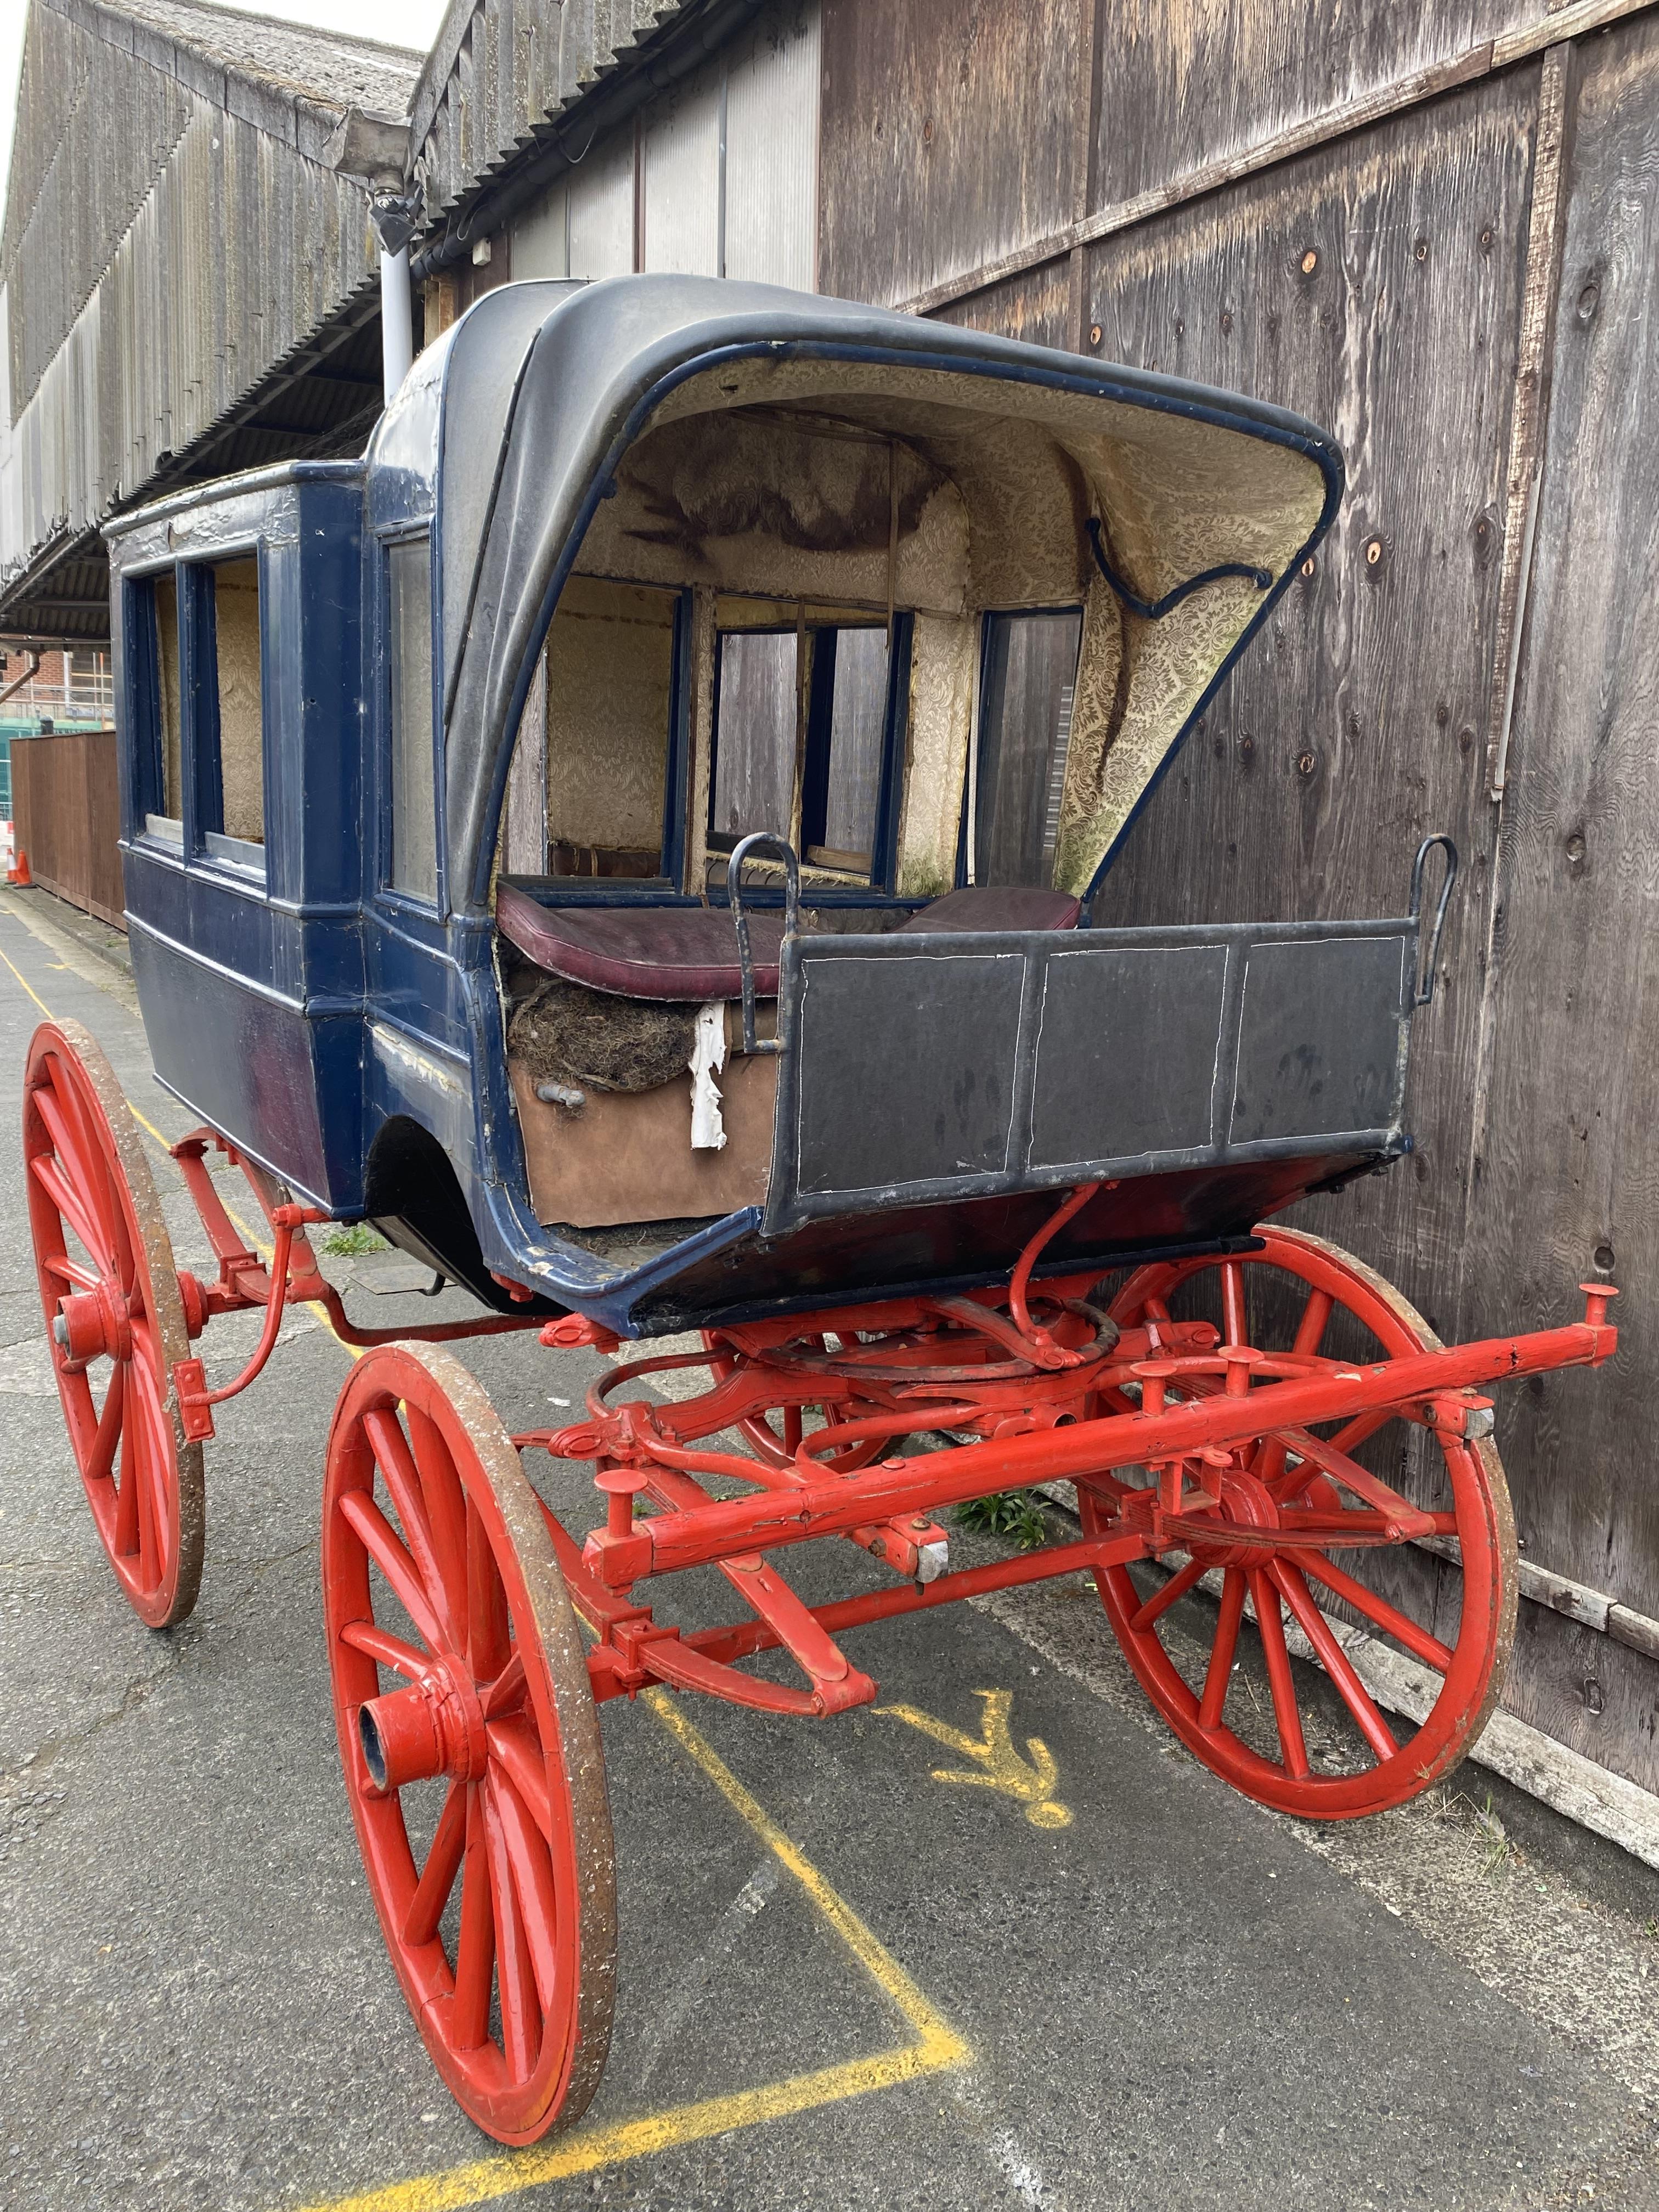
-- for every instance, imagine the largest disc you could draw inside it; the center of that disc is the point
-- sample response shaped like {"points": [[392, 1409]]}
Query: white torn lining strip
{"points": [[708, 1059]]}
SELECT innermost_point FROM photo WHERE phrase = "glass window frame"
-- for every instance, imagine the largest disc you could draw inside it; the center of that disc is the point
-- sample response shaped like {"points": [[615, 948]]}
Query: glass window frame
{"points": [[206, 843], [394, 894], [145, 797]]}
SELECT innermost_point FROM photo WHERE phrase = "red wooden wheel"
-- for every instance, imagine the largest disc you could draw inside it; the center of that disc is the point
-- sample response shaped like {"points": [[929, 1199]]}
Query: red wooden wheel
{"points": [[470, 1741], [114, 1320], [1305, 1296]]}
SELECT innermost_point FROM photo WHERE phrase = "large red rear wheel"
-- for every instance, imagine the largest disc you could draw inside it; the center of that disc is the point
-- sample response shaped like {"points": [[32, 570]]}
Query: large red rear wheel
{"points": [[115, 1321], [1341, 1754], [470, 1741]]}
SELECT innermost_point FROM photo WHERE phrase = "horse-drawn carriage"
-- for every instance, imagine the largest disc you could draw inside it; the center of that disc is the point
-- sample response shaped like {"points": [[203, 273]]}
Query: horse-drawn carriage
{"points": [[631, 839]]}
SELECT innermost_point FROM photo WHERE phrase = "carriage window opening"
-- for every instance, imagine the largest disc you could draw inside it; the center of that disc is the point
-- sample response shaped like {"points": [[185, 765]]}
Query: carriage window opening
{"points": [[230, 783], [756, 716], [844, 836], [802, 752], [162, 775], [1028, 676], [609, 715], [414, 855]]}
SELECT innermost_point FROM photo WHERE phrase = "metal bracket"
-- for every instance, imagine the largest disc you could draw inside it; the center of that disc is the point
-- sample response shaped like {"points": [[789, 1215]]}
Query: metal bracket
{"points": [[1423, 983], [741, 852]]}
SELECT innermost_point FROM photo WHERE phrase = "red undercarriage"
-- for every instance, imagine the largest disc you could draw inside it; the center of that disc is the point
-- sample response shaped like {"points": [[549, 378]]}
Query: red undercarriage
{"points": [[1179, 1436]]}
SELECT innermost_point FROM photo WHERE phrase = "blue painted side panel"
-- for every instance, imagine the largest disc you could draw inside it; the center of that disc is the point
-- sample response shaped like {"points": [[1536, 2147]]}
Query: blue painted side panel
{"points": [[254, 1066]]}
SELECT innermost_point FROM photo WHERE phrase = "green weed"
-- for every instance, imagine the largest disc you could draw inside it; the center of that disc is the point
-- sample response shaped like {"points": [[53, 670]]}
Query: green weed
{"points": [[1012, 1514], [351, 1243]]}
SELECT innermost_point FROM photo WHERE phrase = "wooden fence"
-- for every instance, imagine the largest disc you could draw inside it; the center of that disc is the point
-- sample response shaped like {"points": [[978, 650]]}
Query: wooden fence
{"points": [[1436, 230], [66, 812]]}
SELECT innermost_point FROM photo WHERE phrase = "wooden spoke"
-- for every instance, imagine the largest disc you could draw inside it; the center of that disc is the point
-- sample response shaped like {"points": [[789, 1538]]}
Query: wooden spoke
{"points": [[1281, 1681], [475, 1953], [487, 1628], [515, 1979], [443, 1863], [1269, 1462], [125, 1539], [387, 1650], [386, 1548], [101, 1459], [514, 1744], [506, 1690], [532, 1879], [1287, 1580], [1161, 1600], [1389, 1617], [446, 1509], [69, 1203], [396, 1465], [71, 1271], [1359, 1430], [1222, 1650]]}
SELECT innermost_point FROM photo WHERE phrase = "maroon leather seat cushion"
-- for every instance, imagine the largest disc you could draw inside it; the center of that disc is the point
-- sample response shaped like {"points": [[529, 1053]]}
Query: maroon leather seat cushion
{"points": [[691, 951], [641, 951], [998, 907]]}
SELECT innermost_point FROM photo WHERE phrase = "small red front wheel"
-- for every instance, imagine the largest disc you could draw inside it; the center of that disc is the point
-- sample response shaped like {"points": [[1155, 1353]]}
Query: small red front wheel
{"points": [[115, 1322], [1445, 1639], [470, 1741]]}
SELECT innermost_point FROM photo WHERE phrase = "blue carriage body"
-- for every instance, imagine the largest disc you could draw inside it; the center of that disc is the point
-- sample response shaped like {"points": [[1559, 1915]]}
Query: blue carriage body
{"points": [[348, 1033]]}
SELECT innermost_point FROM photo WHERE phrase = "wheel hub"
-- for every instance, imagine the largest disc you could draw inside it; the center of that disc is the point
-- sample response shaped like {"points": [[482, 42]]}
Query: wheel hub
{"points": [[95, 1325], [1245, 1502], [434, 1726]]}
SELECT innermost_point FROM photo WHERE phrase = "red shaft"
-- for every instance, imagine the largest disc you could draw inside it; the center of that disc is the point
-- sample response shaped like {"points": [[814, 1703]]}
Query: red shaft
{"points": [[672, 1541]]}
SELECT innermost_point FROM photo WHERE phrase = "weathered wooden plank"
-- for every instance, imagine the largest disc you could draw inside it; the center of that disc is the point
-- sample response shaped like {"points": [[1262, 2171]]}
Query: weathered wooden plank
{"points": [[1036, 307], [1376, 288], [1267, 151], [1526, 422], [1184, 85], [1563, 1180], [947, 137]]}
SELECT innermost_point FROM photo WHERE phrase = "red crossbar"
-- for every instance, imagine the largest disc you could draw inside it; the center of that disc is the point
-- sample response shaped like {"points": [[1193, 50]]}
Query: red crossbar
{"points": [[832, 1506]]}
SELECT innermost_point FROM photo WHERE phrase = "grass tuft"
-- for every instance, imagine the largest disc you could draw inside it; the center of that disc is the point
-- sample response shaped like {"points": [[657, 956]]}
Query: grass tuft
{"points": [[1012, 1514], [351, 1243]]}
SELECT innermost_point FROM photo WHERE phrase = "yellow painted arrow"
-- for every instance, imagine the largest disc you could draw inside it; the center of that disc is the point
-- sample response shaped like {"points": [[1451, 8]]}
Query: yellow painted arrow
{"points": [[997, 1764]]}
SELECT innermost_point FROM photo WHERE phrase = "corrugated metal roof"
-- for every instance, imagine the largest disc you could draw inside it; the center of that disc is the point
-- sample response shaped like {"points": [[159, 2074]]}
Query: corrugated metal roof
{"points": [[176, 259], [297, 58], [503, 73]]}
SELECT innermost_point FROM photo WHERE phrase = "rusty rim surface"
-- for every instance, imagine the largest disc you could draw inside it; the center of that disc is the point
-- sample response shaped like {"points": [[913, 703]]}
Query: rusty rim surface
{"points": [[1297, 1295], [104, 1263], [470, 1741]]}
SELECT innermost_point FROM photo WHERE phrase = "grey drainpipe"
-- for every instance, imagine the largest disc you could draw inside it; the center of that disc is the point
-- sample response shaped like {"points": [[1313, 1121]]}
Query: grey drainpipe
{"points": [[375, 148]]}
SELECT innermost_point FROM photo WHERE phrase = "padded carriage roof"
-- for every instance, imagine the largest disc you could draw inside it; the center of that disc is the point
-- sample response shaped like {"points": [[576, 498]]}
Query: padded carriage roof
{"points": [[524, 410]]}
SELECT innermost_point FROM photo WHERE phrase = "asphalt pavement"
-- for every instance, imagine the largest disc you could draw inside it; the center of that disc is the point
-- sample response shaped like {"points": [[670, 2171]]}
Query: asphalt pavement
{"points": [[849, 1976]]}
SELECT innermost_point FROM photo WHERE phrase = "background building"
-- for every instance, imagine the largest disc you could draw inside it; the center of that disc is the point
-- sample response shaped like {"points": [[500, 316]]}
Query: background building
{"points": [[1432, 229]]}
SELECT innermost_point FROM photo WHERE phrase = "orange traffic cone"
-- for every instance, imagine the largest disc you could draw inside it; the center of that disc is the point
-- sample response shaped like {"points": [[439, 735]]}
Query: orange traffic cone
{"points": [[19, 871]]}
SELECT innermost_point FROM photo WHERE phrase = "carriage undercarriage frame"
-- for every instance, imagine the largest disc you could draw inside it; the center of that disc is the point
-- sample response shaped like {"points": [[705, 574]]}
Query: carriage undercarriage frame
{"points": [[452, 1598]]}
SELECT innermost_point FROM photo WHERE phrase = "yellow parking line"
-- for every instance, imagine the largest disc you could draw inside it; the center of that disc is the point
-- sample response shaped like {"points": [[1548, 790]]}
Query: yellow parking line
{"points": [[938, 2048], [30, 989]]}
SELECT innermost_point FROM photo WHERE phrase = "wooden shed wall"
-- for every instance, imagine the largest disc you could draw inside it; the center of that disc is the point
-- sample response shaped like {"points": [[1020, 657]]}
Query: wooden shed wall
{"points": [[1433, 230]]}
